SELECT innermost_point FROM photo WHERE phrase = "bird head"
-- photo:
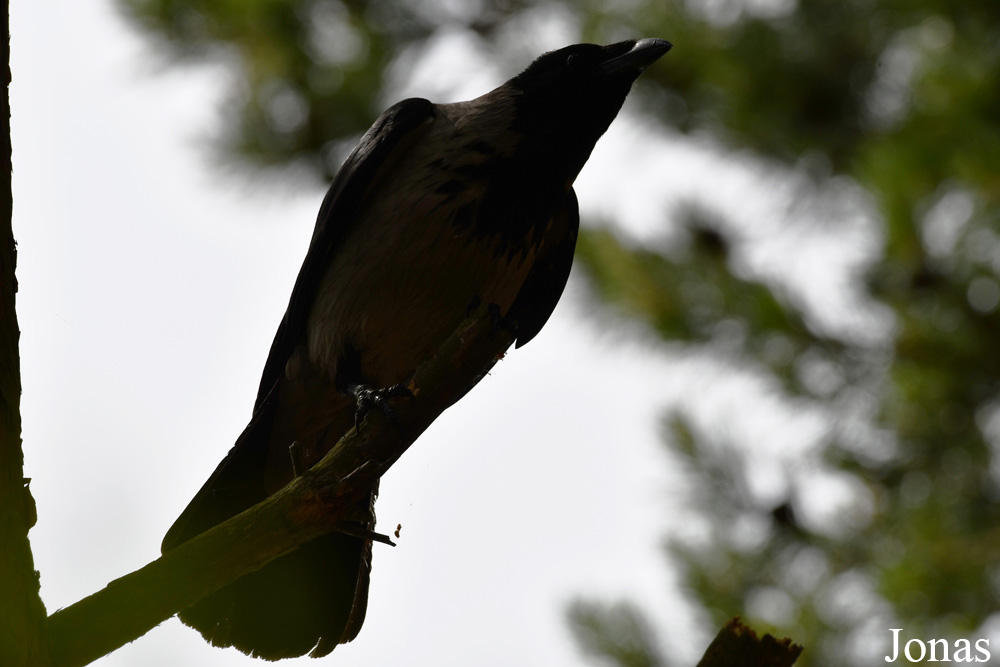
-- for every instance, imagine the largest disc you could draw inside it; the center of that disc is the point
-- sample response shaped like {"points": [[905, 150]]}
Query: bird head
{"points": [[566, 99]]}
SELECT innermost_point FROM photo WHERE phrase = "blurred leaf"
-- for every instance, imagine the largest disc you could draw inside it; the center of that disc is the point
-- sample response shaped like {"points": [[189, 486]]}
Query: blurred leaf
{"points": [[618, 634], [901, 98]]}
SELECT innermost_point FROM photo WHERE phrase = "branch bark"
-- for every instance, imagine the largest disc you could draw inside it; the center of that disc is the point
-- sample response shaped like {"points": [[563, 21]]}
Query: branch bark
{"points": [[311, 505], [737, 645]]}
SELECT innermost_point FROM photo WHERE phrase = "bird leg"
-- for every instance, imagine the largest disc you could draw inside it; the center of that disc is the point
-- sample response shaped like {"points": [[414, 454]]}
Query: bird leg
{"points": [[295, 454], [369, 397]]}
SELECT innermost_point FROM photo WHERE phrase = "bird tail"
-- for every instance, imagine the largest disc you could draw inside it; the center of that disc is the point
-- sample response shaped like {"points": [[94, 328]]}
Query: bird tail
{"points": [[306, 601]]}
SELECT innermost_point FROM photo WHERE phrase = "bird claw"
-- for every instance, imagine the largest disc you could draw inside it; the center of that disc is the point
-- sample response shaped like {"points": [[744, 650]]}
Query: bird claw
{"points": [[370, 397]]}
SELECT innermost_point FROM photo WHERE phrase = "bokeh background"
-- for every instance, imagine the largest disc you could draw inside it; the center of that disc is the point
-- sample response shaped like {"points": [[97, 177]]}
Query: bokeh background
{"points": [[772, 389]]}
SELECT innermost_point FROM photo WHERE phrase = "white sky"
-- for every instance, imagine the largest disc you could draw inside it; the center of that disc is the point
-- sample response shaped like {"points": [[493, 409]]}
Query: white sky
{"points": [[150, 289], [149, 292]]}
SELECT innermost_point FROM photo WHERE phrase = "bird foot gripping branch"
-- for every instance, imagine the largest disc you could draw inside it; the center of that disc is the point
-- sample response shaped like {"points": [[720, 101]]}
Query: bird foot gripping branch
{"points": [[439, 205], [370, 397]]}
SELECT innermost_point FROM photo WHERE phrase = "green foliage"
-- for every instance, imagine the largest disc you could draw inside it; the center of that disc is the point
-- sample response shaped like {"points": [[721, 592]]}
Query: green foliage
{"points": [[900, 97], [618, 634], [309, 73], [906, 101]]}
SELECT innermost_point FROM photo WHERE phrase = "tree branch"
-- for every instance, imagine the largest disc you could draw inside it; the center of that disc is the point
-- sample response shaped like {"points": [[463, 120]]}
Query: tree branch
{"points": [[310, 506], [737, 645]]}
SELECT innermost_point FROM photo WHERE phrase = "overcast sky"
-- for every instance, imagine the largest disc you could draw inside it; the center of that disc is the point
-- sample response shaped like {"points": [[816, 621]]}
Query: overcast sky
{"points": [[150, 289], [151, 285]]}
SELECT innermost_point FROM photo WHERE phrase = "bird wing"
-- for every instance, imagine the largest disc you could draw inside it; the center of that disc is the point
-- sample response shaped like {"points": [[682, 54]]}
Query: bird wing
{"points": [[237, 482], [547, 280], [359, 172]]}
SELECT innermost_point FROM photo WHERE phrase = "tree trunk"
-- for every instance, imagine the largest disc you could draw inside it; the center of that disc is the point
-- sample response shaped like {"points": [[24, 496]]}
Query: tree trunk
{"points": [[22, 615]]}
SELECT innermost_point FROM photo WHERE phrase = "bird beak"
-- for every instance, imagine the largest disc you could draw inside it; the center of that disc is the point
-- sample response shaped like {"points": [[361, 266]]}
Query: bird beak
{"points": [[643, 54]]}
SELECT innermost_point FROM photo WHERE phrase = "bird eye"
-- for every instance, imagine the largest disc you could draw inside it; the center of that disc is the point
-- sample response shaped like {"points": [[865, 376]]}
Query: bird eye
{"points": [[573, 61]]}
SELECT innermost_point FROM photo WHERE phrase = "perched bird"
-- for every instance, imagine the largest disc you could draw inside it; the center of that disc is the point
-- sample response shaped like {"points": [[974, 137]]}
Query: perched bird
{"points": [[439, 207]]}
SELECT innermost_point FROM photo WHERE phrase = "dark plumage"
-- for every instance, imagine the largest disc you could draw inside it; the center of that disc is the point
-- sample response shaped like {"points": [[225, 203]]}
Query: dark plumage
{"points": [[439, 206]]}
